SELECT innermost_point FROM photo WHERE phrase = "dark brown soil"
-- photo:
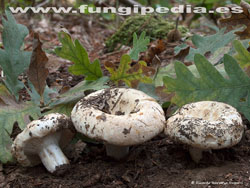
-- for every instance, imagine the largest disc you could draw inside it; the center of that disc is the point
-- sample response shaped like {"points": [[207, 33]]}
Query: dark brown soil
{"points": [[157, 163]]}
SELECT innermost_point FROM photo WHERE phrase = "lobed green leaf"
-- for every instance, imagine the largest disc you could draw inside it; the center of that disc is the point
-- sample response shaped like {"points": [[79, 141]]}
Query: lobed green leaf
{"points": [[65, 102], [139, 45], [75, 52], [211, 84], [13, 60], [126, 73], [242, 56]]}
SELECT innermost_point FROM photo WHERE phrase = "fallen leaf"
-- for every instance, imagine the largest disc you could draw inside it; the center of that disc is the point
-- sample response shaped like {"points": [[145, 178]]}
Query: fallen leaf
{"points": [[169, 71], [211, 84], [66, 101], [73, 50], [5, 97], [242, 56], [154, 50], [149, 89], [182, 54], [139, 45], [207, 44], [239, 19], [13, 60], [10, 114], [37, 72], [131, 75], [164, 96]]}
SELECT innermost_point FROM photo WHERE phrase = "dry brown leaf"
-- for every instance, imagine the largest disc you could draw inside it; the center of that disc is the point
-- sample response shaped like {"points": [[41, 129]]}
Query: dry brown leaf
{"points": [[38, 72], [154, 49], [64, 89], [135, 83], [164, 96], [182, 54], [110, 65], [6, 99], [148, 71], [239, 19]]}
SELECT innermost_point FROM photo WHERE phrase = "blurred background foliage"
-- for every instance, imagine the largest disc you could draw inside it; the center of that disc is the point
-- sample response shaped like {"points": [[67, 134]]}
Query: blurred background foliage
{"points": [[209, 4], [153, 3]]}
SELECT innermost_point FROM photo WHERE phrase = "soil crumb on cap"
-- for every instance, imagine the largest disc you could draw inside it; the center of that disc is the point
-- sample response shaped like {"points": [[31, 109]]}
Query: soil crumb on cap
{"points": [[100, 101]]}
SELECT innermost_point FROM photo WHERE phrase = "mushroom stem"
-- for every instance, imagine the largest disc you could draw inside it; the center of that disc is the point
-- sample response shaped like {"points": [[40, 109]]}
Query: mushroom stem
{"points": [[117, 152], [51, 154], [196, 154]]}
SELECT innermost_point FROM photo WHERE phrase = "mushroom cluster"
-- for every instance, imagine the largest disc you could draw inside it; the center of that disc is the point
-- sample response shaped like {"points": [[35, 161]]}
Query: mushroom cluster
{"points": [[120, 118]]}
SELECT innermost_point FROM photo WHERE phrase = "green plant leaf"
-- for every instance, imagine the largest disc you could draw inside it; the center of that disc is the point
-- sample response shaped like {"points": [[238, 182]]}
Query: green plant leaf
{"points": [[139, 45], [243, 56], [8, 116], [36, 98], [10, 113], [62, 109], [149, 89], [13, 60], [65, 102], [207, 43], [169, 71], [77, 92], [211, 85], [75, 52], [126, 73]]}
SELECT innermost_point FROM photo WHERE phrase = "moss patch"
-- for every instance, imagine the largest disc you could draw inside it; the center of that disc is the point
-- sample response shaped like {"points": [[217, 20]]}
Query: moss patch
{"points": [[155, 26]]}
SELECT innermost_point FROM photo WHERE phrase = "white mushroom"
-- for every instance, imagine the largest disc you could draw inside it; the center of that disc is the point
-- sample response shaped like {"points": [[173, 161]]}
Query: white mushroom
{"points": [[119, 117], [205, 125], [41, 140]]}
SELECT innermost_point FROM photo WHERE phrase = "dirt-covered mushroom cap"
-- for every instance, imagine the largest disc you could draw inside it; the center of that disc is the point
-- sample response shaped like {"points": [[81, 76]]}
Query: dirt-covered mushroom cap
{"points": [[41, 140], [119, 117], [206, 125]]}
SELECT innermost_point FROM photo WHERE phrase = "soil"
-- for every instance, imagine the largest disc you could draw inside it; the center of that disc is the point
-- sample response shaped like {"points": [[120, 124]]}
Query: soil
{"points": [[156, 163]]}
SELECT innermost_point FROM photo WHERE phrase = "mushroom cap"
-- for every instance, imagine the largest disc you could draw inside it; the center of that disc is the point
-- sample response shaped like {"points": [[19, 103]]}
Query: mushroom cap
{"points": [[26, 144], [118, 116], [206, 125]]}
